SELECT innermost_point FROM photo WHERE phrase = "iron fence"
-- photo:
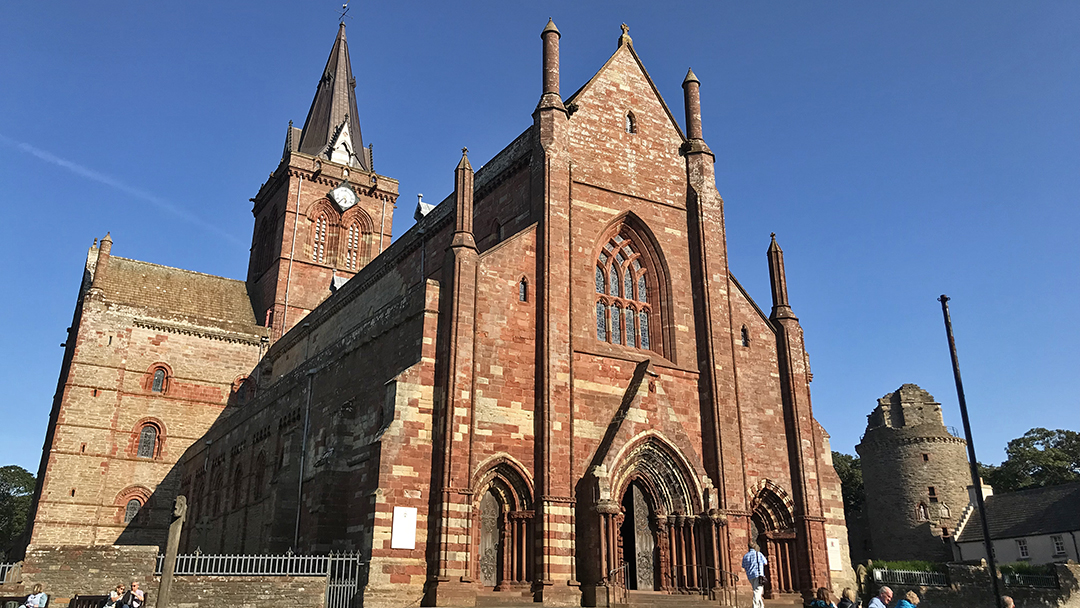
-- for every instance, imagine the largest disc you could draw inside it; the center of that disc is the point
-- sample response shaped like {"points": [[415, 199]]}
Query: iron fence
{"points": [[342, 570], [5, 572], [911, 577], [1041, 581]]}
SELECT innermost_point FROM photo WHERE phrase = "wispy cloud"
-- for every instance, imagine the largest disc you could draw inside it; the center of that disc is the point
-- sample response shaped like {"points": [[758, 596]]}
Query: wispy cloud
{"points": [[112, 182]]}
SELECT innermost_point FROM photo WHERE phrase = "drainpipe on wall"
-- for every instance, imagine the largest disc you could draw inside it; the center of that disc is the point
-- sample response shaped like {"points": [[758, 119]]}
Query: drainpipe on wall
{"points": [[303, 453]]}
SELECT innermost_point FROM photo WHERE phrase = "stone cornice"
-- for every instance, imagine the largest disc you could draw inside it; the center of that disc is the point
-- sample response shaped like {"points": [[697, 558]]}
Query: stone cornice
{"points": [[199, 332]]}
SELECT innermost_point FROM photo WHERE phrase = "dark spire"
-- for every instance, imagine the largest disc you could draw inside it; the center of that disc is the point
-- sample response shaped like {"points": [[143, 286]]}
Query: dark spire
{"points": [[332, 128], [778, 278]]}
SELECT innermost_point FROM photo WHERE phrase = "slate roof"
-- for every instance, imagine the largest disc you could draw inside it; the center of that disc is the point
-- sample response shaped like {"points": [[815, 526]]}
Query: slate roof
{"points": [[180, 296], [335, 98], [1028, 513]]}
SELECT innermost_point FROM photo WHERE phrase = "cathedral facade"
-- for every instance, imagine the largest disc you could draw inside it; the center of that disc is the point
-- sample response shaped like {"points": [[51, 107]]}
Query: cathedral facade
{"points": [[550, 386]]}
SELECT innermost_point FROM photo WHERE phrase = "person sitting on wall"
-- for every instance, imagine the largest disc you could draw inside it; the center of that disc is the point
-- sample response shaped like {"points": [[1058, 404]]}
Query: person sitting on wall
{"points": [[847, 599], [823, 600], [134, 598], [882, 600], [37, 599], [911, 600]]}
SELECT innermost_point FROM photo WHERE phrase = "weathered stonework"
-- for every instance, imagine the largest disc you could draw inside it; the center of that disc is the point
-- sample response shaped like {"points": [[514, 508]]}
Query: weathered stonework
{"points": [[465, 363], [905, 452]]}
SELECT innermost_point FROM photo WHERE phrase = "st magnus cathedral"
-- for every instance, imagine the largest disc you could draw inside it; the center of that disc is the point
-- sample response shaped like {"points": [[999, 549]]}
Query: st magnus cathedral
{"points": [[551, 380]]}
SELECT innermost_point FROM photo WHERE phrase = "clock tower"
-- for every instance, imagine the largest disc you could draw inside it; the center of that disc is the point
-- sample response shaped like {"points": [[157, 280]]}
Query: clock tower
{"points": [[323, 213]]}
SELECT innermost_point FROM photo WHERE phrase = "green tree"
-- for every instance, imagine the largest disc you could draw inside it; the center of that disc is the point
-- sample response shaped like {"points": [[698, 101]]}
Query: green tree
{"points": [[1040, 458], [849, 469], [16, 490]]}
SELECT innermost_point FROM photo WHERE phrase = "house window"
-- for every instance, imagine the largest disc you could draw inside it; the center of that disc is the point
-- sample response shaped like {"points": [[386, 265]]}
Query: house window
{"points": [[921, 512], [131, 510], [933, 493], [745, 336], [1059, 544], [1022, 548], [158, 385], [352, 247], [945, 532], [622, 303], [926, 458], [148, 437], [318, 241], [523, 290], [631, 123]]}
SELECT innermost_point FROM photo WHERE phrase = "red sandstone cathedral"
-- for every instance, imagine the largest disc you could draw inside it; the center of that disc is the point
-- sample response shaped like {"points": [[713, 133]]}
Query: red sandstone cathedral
{"points": [[550, 386]]}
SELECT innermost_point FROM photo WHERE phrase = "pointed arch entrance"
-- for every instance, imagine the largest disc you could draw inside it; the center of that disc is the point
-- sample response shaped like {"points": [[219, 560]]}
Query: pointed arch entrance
{"points": [[773, 527], [503, 517], [654, 533]]}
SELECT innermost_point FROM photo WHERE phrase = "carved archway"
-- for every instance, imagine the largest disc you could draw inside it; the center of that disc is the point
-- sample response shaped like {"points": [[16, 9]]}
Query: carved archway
{"points": [[773, 528], [503, 525]]}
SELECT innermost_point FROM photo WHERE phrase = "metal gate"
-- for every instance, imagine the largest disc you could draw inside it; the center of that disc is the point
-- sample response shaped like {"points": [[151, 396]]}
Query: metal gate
{"points": [[343, 579]]}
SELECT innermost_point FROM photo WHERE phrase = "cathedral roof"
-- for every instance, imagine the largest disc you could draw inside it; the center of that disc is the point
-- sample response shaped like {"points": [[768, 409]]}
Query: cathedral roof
{"points": [[332, 128], [181, 297]]}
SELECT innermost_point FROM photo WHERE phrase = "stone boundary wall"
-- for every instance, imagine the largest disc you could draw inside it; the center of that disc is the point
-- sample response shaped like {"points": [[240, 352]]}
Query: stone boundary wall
{"points": [[69, 571], [970, 587]]}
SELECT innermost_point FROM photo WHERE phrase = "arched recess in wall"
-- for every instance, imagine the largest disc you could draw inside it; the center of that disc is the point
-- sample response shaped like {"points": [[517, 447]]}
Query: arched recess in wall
{"points": [[648, 268], [147, 439], [772, 523], [502, 515], [356, 239], [324, 222], [661, 468], [129, 503]]}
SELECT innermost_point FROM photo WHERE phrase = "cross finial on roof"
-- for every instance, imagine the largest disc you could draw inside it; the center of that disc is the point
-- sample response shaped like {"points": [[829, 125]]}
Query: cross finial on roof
{"points": [[625, 30], [464, 150], [625, 37], [344, 12]]}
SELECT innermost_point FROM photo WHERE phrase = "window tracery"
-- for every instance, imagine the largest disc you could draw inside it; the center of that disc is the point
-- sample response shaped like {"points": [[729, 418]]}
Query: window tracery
{"points": [[622, 304], [352, 247]]}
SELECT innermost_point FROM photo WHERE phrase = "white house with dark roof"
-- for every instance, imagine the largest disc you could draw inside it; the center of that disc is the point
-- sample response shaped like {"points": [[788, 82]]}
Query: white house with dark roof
{"points": [[1039, 526]]}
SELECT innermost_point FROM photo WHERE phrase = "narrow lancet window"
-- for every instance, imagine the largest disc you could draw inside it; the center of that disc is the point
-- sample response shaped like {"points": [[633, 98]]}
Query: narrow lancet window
{"points": [[631, 123], [352, 247], [318, 245], [523, 291], [601, 322], [745, 336]]}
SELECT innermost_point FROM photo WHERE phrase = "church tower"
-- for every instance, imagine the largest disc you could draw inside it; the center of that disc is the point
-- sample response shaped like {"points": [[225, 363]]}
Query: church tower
{"points": [[324, 213]]}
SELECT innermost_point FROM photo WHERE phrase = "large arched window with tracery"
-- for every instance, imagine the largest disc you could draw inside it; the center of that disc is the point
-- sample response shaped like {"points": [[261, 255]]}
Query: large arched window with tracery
{"points": [[319, 237], [352, 246], [623, 310]]}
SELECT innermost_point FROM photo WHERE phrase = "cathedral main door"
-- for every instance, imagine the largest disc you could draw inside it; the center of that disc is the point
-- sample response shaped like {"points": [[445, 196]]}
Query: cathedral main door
{"points": [[639, 546], [490, 547]]}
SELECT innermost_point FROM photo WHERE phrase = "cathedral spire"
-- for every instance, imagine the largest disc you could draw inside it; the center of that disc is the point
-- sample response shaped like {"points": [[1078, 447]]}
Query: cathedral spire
{"points": [[332, 128]]}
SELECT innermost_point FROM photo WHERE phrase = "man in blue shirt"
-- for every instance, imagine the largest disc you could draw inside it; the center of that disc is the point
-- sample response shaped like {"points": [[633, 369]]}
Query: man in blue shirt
{"points": [[883, 598], [754, 565]]}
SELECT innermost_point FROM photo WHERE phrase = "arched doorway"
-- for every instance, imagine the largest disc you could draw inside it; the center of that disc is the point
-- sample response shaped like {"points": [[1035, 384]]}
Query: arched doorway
{"points": [[773, 527], [503, 519], [639, 539]]}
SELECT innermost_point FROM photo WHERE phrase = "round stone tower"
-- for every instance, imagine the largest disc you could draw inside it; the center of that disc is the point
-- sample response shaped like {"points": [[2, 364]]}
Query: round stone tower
{"points": [[915, 475]]}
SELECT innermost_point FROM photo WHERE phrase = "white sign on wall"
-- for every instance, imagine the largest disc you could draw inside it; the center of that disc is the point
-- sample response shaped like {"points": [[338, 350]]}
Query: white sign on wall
{"points": [[403, 534], [836, 561]]}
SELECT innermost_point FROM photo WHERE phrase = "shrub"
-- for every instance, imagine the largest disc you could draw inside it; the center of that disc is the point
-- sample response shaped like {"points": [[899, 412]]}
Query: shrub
{"points": [[1026, 568]]}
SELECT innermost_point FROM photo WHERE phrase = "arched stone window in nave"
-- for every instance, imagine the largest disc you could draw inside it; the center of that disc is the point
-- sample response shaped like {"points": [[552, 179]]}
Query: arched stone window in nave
{"points": [[623, 311]]}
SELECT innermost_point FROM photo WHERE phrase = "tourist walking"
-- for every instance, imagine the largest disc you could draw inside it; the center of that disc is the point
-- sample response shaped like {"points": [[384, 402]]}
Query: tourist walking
{"points": [[823, 599], [882, 600], [37, 598], [847, 599], [911, 600], [754, 565]]}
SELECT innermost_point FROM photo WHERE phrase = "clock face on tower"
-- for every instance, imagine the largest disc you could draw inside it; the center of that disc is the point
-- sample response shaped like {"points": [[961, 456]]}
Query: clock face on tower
{"points": [[343, 196]]}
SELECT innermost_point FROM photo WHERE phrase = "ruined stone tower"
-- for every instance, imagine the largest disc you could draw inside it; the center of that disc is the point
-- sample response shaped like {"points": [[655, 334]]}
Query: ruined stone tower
{"points": [[915, 474]]}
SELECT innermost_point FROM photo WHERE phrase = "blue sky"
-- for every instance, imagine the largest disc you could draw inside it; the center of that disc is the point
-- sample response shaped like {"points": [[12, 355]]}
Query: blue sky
{"points": [[898, 150]]}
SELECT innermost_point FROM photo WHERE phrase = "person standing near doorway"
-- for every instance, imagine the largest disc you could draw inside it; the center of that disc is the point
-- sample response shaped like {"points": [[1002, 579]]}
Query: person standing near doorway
{"points": [[754, 565]]}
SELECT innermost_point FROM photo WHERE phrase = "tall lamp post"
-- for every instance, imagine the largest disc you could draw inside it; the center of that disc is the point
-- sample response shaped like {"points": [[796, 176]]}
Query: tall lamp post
{"points": [[975, 479]]}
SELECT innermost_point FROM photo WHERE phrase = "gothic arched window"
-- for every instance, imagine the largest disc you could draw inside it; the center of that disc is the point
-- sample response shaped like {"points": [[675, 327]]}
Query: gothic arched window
{"points": [[352, 247], [745, 336], [622, 303], [147, 441], [131, 510], [523, 290], [631, 123], [319, 237]]}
